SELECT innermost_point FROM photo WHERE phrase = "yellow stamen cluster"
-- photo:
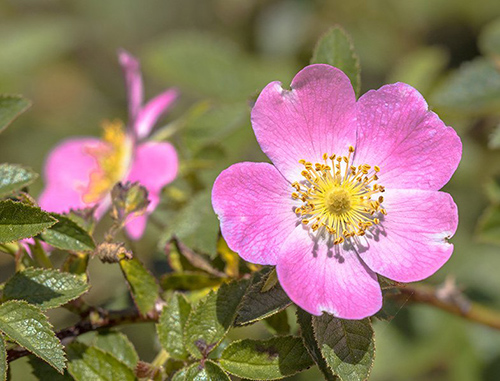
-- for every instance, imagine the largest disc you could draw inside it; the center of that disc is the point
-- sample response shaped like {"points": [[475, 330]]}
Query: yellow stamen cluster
{"points": [[112, 158], [337, 196]]}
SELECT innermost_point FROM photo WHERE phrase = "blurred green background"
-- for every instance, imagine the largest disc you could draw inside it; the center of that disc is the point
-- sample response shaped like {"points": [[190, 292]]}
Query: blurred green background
{"points": [[219, 54]]}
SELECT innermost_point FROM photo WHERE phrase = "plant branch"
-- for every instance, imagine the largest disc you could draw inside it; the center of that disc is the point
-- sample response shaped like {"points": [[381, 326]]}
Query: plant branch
{"points": [[449, 298], [97, 320]]}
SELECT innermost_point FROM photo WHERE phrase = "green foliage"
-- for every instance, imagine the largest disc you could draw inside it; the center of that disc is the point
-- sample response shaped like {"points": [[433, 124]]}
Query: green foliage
{"points": [[489, 225], [336, 48], [266, 359], [278, 323], [474, 89], [45, 288], [494, 142], [348, 346], [305, 321], [3, 359], [209, 371], [210, 320], [13, 177], [489, 40], [44, 371], [28, 326], [142, 284], [196, 225], [68, 235], [91, 363], [213, 67], [171, 325], [189, 281], [18, 221], [117, 345], [258, 302], [11, 106]]}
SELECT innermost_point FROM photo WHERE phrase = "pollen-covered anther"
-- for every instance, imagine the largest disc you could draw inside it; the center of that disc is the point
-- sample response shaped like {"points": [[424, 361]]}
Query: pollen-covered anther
{"points": [[339, 198]]}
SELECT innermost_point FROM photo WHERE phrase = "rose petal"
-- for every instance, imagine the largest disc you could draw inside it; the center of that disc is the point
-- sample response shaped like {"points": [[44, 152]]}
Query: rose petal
{"points": [[318, 277], [133, 82], [411, 243], [411, 145], [67, 174], [155, 165], [149, 114], [317, 116], [255, 208]]}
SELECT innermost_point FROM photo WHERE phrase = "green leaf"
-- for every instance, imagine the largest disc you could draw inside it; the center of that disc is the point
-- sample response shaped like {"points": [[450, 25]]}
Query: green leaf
{"points": [[68, 235], [18, 221], [212, 66], [3, 359], [91, 363], [209, 322], [171, 325], [13, 177], [209, 371], [474, 89], [188, 281], [488, 228], [28, 326], [335, 48], [489, 40], [304, 319], [45, 288], [258, 305], [348, 346], [117, 345], [43, 371], [142, 284], [266, 359], [11, 106], [196, 225], [278, 323]]}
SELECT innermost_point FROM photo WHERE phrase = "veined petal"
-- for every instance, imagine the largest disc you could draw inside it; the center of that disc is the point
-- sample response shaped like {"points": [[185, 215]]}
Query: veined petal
{"points": [[133, 81], [149, 114], [316, 116], [67, 174], [411, 145], [411, 241], [318, 277], [255, 209], [155, 164]]}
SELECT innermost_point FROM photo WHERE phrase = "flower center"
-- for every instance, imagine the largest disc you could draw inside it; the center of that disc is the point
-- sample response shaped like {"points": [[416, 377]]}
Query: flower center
{"points": [[113, 159], [337, 196]]}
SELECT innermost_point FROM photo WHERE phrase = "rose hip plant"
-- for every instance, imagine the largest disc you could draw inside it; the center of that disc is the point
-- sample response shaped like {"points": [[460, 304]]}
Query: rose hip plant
{"points": [[316, 244]]}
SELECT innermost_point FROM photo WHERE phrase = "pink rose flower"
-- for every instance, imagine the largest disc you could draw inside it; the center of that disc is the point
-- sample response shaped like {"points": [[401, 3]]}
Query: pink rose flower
{"points": [[80, 172], [353, 191]]}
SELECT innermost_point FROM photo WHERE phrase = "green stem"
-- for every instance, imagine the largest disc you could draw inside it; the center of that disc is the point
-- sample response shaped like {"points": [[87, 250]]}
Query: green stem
{"points": [[160, 359]]}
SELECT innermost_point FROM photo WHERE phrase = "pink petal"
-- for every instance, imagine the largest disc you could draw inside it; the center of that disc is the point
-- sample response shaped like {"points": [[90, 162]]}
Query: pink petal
{"points": [[133, 81], [411, 145], [412, 242], [155, 164], [149, 114], [136, 226], [320, 277], [316, 116], [67, 173], [255, 208]]}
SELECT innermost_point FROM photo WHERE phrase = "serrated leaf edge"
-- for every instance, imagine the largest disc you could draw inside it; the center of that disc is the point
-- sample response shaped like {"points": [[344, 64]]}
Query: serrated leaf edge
{"points": [[61, 371]]}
